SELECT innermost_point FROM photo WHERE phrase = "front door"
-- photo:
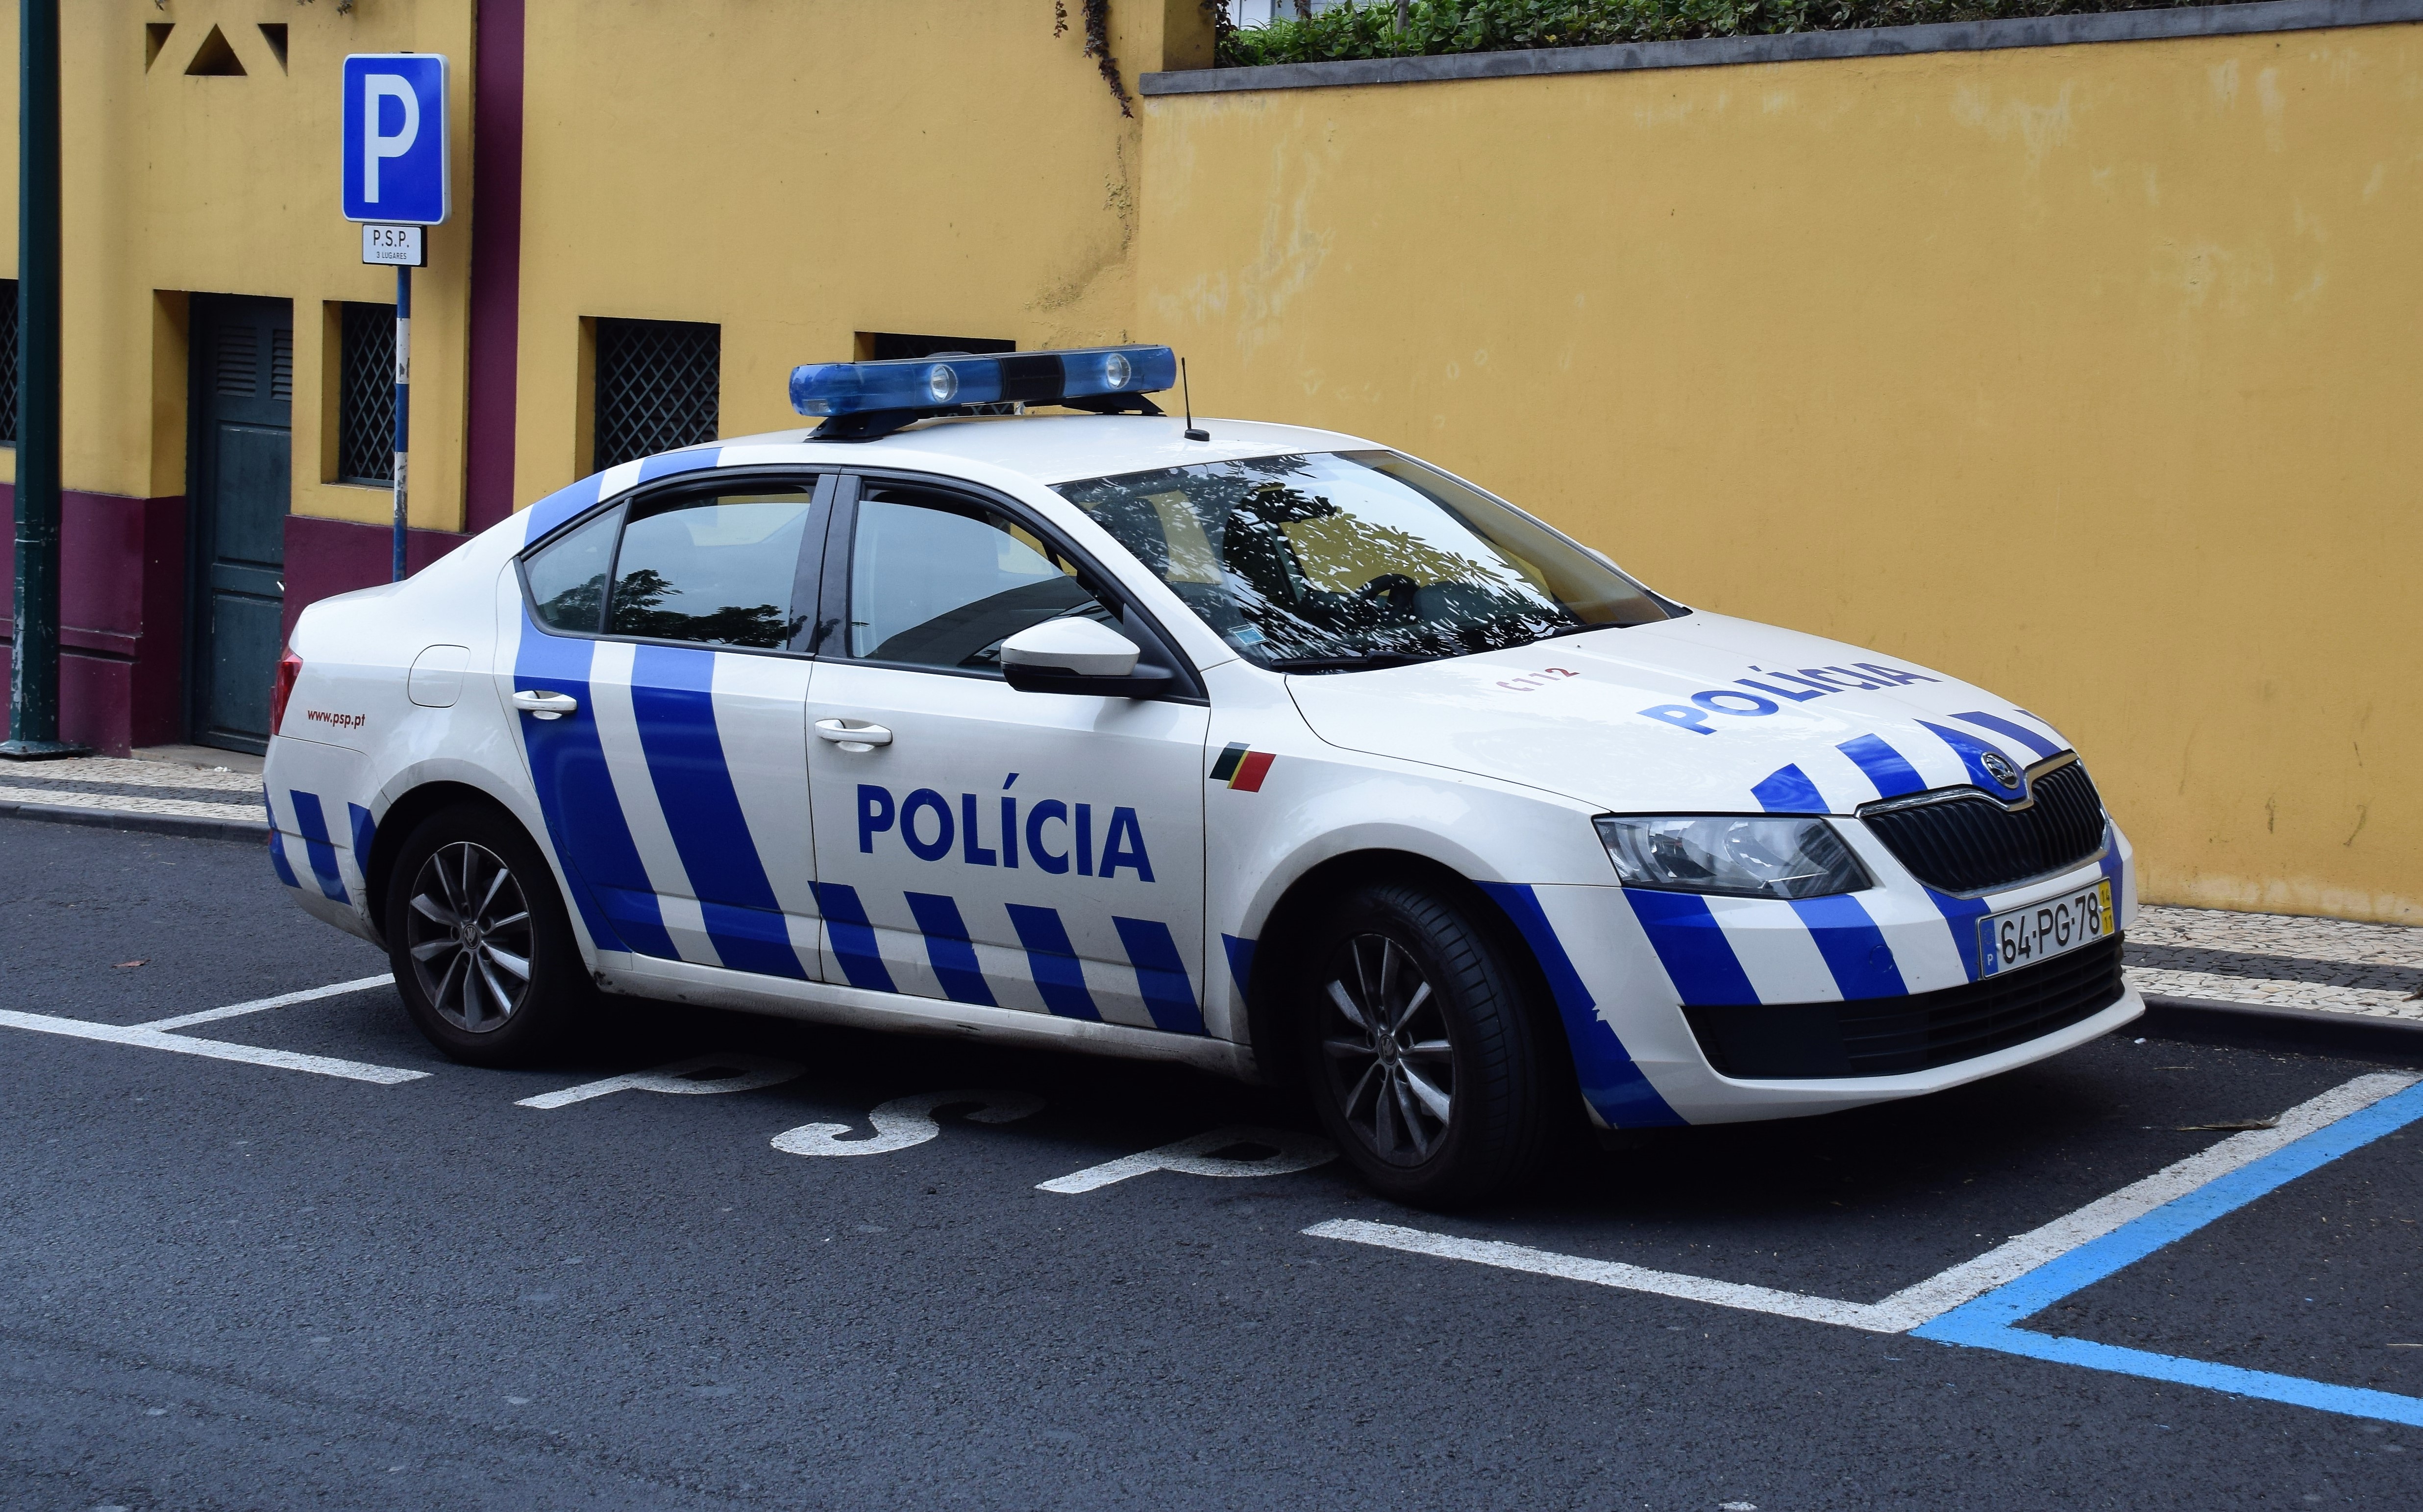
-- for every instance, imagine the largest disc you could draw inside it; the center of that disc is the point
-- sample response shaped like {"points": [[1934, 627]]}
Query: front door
{"points": [[1038, 851], [242, 389]]}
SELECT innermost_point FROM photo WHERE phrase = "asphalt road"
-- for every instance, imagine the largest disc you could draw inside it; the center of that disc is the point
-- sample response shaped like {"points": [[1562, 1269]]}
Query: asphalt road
{"points": [[225, 1285]]}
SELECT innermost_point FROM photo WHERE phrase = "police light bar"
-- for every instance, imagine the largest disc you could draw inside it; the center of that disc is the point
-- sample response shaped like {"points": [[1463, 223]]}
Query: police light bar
{"points": [[1107, 378]]}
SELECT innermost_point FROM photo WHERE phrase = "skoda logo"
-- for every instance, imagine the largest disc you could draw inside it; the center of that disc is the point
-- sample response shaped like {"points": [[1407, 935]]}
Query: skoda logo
{"points": [[1999, 768]]}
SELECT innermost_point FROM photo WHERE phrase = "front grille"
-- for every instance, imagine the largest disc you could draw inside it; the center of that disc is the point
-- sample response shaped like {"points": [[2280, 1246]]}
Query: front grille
{"points": [[1973, 844], [1889, 1036]]}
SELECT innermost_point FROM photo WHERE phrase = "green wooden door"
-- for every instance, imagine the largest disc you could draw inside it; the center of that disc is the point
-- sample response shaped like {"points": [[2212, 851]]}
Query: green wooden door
{"points": [[243, 430]]}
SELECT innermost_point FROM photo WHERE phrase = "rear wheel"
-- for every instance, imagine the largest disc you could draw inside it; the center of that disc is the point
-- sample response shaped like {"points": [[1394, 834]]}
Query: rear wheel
{"points": [[1422, 1052], [476, 930]]}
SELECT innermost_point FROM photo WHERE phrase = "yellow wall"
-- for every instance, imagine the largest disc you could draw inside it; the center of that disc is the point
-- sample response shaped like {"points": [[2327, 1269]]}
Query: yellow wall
{"points": [[2088, 373], [801, 173], [181, 184]]}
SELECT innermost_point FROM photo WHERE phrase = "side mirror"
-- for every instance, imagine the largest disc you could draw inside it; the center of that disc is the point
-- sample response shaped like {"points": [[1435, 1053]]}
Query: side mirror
{"points": [[1077, 655]]}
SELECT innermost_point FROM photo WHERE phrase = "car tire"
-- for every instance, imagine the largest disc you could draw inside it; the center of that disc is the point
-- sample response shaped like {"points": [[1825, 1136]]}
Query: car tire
{"points": [[482, 951], [1447, 1105]]}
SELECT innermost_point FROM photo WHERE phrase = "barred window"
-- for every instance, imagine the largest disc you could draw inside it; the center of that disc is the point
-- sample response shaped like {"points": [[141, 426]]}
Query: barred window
{"points": [[366, 395], [658, 387], [7, 361]]}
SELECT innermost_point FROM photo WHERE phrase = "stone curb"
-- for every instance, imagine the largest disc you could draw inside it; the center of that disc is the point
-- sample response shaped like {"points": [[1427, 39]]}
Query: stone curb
{"points": [[1792, 47], [2204, 1021], [253, 831]]}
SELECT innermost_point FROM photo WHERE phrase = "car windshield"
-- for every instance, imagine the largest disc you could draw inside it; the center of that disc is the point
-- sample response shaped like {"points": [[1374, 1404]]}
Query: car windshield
{"points": [[1337, 561]]}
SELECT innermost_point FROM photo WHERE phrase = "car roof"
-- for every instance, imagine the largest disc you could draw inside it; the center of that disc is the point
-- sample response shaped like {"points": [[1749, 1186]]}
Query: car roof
{"points": [[1059, 448]]}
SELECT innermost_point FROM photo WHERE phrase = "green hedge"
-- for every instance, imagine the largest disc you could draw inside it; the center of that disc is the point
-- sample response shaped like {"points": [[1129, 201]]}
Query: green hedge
{"points": [[1369, 29]]}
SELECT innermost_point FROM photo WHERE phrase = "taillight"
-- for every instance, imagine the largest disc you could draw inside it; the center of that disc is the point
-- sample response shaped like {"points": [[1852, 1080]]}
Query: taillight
{"points": [[281, 688]]}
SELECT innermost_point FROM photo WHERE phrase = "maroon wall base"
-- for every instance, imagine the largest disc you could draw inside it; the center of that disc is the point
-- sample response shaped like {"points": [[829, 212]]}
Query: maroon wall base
{"points": [[121, 617], [325, 557]]}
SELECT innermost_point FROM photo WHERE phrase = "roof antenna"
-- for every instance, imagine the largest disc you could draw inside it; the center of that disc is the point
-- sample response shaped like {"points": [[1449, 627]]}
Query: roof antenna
{"points": [[1188, 394]]}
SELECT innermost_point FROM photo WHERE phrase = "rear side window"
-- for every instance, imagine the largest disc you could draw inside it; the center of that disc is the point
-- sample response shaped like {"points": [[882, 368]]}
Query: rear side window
{"points": [[567, 576], [721, 571]]}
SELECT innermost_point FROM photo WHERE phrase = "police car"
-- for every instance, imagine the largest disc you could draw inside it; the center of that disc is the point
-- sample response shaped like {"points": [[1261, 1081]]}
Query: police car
{"points": [[1272, 751]]}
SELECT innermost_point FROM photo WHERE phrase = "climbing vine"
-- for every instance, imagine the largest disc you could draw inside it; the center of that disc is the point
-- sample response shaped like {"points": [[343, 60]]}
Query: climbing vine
{"points": [[1098, 45]]}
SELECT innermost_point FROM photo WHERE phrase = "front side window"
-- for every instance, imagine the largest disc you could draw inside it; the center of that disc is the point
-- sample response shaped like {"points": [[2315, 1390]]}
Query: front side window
{"points": [[1334, 561], [938, 580], [721, 571]]}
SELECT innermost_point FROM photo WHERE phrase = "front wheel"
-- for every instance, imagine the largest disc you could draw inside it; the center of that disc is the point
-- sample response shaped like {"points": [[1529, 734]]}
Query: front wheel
{"points": [[1423, 1055], [482, 952]]}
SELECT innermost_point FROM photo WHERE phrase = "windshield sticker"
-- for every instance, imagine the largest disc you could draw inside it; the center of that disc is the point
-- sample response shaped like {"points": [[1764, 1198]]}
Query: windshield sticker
{"points": [[1242, 768], [1793, 687]]}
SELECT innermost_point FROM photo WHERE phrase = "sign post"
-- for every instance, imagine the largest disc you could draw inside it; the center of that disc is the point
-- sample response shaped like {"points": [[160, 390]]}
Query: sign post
{"points": [[396, 185]]}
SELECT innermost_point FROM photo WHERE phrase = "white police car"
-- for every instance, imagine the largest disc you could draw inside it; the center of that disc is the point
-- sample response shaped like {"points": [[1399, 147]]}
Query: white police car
{"points": [[1265, 749]]}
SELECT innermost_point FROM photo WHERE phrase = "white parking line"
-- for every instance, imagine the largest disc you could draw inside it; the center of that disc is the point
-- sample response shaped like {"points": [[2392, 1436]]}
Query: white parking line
{"points": [[1912, 1305], [258, 1005], [726, 1072], [152, 1038]]}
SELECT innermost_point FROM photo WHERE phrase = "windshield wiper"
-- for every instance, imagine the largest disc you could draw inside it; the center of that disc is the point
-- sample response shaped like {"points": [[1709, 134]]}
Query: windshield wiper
{"points": [[1350, 663], [1577, 630]]}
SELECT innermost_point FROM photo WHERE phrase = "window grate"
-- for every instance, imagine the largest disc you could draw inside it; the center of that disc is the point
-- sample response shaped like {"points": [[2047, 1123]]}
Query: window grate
{"points": [[658, 387], [366, 395], [8, 361]]}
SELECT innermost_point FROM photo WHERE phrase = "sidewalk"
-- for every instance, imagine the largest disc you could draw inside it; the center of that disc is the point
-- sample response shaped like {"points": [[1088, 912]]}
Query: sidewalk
{"points": [[2202, 955]]}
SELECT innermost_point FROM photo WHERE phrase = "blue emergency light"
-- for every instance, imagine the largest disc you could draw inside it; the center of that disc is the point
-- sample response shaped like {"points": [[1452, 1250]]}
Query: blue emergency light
{"points": [[868, 399]]}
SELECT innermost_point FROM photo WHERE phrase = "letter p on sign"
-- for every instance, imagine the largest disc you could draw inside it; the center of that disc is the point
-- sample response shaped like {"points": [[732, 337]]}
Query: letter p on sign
{"points": [[395, 146]]}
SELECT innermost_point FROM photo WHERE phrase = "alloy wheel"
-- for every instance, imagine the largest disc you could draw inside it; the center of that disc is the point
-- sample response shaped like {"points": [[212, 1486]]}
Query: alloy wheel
{"points": [[1384, 1040], [468, 933]]}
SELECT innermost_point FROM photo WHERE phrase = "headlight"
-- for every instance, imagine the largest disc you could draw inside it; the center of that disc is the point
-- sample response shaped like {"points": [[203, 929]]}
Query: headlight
{"points": [[1738, 855]]}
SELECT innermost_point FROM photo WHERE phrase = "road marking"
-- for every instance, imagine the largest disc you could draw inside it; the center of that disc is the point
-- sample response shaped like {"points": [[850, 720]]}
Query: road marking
{"points": [[682, 1079], [905, 1122], [1912, 1305], [1292, 1152], [152, 1038], [1991, 1321], [210, 1016], [1979, 1302]]}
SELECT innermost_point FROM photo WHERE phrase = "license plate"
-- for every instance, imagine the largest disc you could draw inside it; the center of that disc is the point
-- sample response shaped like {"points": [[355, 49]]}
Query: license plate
{"points": [[2039, 931]]}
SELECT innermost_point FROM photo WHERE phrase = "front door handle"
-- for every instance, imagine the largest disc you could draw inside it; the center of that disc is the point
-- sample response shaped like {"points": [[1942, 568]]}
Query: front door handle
{"points": [[544, 703], [853, 734]]}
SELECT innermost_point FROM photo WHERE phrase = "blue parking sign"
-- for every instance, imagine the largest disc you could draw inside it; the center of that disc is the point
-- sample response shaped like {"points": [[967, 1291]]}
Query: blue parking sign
{"points": [[395, 138]]}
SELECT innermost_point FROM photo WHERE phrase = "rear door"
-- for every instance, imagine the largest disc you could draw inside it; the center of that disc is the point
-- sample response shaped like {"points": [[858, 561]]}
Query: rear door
{"points": [[675, 788], [1035, 851]]}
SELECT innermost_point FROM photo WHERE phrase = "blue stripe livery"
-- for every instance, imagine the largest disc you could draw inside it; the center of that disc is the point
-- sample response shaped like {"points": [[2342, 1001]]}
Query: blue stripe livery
{"points": [[365, 831], [575, 796], [1961, 916], [1854, 947], [1161, 975], [671, 462], [947, 948], [672, 700], [317, 845], [1614, 1084], [1241, 962], [278, 862], [1884, 766], [1692, 946], [562, 505], [1972, 756], [2010, 730], [1788, 790], [853, 937], [1052, 961]]}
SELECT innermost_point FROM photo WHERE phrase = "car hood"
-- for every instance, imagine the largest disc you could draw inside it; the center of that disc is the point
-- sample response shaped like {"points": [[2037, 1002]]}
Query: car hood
{"points": [[1701, 713]]}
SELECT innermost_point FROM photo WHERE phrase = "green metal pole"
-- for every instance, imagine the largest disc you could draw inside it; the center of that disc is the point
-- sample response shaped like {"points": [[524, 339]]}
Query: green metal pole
{"points": [[34, 653]]}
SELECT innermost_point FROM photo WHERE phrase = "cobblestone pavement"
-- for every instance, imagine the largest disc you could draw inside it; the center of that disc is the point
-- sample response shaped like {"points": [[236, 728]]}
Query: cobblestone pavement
{"points": [[2272, 960], [134, 787]]}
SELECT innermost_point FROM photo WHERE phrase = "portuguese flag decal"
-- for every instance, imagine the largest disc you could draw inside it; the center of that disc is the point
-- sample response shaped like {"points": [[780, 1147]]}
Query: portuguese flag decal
{"points": [[1242, 768]]}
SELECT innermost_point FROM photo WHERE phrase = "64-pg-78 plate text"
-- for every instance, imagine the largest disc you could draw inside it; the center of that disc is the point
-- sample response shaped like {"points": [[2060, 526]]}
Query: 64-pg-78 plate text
{"points": [[2023, 936]]}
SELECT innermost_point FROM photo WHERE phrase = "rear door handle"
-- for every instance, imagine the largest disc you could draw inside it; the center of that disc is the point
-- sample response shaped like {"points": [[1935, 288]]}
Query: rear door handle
{"points": [[853, 734], [545, 704]]}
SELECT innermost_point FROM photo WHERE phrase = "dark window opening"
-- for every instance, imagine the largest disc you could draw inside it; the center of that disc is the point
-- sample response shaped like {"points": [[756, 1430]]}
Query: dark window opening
{"points": [[890, 346], [215, 59], [273, 33], [366, 395], [155, 37], [658, 387]]}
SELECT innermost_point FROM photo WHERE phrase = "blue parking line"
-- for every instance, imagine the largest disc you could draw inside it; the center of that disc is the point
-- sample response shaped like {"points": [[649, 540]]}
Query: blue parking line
{"points": [[1991, 1321]]}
